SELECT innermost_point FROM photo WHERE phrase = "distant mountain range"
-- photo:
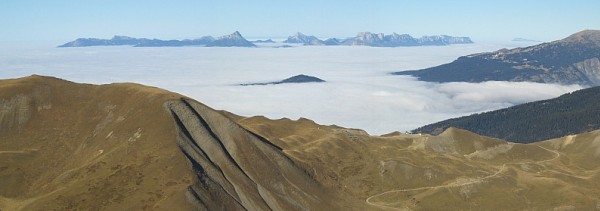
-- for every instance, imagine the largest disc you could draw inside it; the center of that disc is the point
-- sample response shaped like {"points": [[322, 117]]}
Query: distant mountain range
{"points": [[264, 41], [303, 39], [233, 40], [518, 39], [573, 60], [237, 40], [295, 79], [380, 40], [572, 113]]}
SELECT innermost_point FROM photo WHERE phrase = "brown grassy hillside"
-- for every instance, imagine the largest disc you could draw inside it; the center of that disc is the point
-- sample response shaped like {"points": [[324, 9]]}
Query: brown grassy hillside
{"points": [[67, 146]]}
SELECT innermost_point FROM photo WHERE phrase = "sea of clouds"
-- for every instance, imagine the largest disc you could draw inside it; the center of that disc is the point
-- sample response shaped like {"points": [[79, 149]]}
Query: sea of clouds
{"points": [[359, 92]]}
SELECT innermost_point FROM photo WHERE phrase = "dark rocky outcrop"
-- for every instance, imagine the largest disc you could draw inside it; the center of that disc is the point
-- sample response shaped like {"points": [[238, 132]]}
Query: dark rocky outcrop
{"points": [[294, 79]]}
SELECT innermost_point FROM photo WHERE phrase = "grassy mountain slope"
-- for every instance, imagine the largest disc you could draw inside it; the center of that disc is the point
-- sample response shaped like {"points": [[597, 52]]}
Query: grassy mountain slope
{"points": [[68, 146]]}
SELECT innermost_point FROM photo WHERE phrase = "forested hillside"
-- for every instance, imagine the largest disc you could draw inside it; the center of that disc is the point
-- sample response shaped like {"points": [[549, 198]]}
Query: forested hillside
{"points": [[571, 113]]}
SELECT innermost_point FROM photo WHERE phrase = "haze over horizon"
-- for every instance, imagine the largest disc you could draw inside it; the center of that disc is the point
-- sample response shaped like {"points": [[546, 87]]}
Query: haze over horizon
{"points": [[359, 75], [475, 120], [63, 20]]}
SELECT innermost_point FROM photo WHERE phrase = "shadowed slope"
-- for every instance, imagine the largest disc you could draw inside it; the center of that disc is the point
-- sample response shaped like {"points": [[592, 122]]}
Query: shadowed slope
{"points": [[571, 113], [239, 170], [572, 60]]}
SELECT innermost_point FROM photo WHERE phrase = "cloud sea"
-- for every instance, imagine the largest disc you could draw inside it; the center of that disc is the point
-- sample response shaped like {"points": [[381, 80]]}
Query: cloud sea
{"points": [[359, 92]]}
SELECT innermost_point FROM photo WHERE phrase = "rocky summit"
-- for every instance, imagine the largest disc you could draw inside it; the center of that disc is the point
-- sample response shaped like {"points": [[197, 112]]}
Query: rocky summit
{"points": [[69, 146], [233, 40]]}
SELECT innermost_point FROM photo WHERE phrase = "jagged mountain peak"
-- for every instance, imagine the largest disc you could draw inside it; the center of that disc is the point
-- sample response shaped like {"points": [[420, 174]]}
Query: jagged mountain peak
{"points": [[234, 35], [299, 34], [234, 39]]}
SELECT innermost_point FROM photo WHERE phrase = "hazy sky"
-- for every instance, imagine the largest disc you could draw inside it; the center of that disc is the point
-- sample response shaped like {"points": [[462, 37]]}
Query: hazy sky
{"points": [[65, 20]]}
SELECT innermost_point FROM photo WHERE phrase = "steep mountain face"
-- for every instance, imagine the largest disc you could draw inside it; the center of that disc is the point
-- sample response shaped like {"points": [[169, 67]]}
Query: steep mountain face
{"points": [[68, 146], [239, 170], [303, 39], [573, 60], [233, 40], [572, 113]]}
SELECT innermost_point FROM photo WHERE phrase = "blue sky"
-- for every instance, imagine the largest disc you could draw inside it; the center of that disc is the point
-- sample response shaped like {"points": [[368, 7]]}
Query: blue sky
{"points": [[63, 20]]}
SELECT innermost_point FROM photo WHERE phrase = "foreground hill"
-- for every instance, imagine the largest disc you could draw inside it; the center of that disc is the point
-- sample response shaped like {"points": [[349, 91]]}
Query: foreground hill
{"points": [[68, 146], [573, 60], [572, 113]]}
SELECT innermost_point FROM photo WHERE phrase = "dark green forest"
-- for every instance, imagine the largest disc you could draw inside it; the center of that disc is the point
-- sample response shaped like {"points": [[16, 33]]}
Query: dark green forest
{"points": [[571, 113]]}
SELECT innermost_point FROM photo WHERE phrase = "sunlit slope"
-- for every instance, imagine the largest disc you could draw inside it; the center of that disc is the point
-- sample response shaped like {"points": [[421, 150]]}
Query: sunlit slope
{"points": [[457, 169], [67, 146]]}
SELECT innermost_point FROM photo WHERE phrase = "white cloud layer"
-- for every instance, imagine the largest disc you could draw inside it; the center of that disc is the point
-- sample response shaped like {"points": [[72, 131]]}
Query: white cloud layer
{"points": [[359, 92]]}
